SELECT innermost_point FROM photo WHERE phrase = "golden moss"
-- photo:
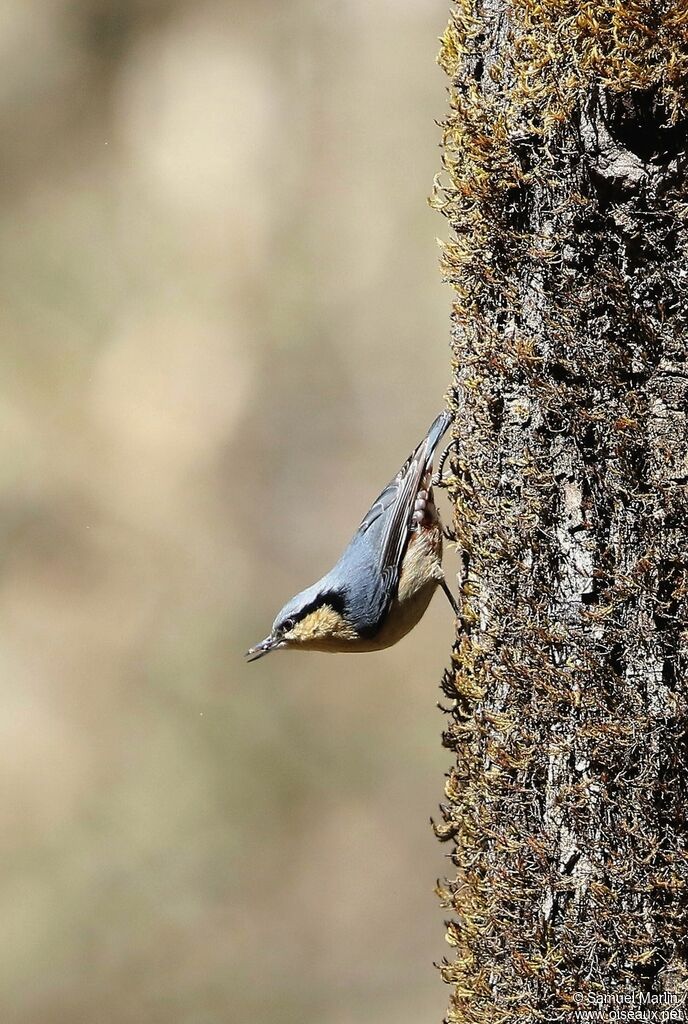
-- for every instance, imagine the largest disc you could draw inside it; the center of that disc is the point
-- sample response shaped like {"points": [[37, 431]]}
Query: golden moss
{"points": [[557, 51]]}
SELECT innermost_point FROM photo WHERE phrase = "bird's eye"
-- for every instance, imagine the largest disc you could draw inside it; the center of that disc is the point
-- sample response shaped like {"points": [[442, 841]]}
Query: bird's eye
{"points": [[288, 625]]}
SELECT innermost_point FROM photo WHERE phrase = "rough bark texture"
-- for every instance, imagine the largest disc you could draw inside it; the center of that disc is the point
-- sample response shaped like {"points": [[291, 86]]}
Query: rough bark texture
{"points": [[565, 154]]}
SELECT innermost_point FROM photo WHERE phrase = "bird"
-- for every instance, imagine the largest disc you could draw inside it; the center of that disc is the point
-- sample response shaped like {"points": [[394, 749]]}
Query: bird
{"points": [[384, 581]]}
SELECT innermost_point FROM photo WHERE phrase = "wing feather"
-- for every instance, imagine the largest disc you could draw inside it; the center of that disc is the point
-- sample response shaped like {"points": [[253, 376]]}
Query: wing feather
{"points": [[396, 504]]}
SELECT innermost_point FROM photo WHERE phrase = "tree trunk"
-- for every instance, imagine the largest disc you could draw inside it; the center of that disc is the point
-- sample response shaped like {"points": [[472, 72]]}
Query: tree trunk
{"points": [[564, 157]]}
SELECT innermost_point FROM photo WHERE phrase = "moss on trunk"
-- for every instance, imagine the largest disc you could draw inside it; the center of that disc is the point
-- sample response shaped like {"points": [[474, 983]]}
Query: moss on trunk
{"points": [[565, 153]]}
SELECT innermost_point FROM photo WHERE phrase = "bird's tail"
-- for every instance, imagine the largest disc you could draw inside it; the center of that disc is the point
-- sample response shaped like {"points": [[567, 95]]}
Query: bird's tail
{"points": [[436, 433]]}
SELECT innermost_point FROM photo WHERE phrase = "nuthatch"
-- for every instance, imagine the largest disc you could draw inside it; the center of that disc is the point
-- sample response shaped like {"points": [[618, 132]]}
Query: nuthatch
{"points": [[382, 584]]}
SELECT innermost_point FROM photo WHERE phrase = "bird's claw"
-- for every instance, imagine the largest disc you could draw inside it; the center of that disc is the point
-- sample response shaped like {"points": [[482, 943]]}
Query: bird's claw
{"points": [[438, 479]]}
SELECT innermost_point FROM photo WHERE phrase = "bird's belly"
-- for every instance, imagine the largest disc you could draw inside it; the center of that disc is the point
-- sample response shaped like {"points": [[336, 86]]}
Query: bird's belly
{"points": [[403, 616], [420, 574]]}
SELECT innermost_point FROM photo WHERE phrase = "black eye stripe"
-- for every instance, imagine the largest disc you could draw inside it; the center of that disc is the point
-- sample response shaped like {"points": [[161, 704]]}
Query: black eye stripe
{"points": [[333, 598]]}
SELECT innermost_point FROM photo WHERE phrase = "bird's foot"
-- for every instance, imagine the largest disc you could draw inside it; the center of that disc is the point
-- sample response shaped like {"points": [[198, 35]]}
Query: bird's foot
{"points": [[438, 478], [450, 596]]}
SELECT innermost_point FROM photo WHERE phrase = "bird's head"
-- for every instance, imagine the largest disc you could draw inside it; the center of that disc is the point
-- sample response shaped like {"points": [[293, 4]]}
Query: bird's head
{"points": [[313, 620]]}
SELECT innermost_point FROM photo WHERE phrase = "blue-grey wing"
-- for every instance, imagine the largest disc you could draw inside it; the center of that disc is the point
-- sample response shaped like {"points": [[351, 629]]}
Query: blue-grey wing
{"points": [[377, 550]]}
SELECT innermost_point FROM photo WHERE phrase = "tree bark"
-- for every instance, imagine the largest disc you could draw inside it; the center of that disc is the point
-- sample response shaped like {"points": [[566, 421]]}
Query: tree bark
{"points": [[564, 157]]}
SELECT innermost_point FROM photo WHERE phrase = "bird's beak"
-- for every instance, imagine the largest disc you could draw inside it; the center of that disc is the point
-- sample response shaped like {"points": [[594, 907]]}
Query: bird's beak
{"points": [[270, 643]]}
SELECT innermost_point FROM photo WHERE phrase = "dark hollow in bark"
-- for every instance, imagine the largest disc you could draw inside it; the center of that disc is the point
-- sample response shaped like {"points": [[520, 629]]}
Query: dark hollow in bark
{"points": [[565, 154]]}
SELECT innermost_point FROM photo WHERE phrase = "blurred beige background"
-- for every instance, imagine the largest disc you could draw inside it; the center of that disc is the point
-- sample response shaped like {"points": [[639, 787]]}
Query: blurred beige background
{"points": [[223, 329]]}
